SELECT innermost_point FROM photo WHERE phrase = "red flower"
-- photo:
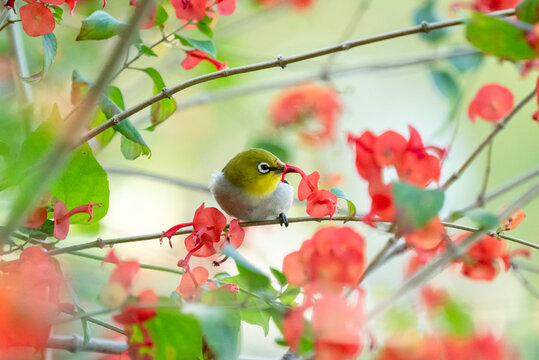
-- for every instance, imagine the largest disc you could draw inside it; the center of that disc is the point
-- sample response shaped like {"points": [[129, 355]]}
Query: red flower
{"points": [[194, 57], [296, 4], [124, 272], [491, 103], [208, 224], [62, 217], [485, 259], [193, 280], [309, 101], [428, 237], [337, 327], [334, 257], [293, 327], [36, 19], [141, 311], [189, 9], [29, 300], [320, 203], [514, 220]]}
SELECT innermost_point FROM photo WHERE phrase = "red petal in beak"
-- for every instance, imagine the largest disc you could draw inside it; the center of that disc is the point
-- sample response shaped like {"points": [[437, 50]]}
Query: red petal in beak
{"points": [[293, 169]]}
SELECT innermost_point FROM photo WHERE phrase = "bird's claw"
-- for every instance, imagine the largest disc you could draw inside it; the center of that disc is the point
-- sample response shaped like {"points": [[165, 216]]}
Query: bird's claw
{"points": [[283, 220]]}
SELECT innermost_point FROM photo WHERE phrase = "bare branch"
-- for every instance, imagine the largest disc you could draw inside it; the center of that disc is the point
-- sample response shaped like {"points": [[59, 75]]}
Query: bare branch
{"points": [[278, 62], [75, 343], [164, 178]]}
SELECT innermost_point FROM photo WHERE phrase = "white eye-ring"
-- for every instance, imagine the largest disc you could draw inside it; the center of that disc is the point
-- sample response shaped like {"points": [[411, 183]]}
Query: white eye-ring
{"points": [[264, 168]]}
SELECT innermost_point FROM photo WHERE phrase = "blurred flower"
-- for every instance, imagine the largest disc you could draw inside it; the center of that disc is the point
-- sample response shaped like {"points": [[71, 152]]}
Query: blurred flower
{"points": [[310, 101], [486, 6], [296, 4], [433, 297], [333, 258], [194, 57], [36, 218], [491, 103], [29, 299], [514, 220], [428, 237], [193, 281], [486, 258], [189, 9]]}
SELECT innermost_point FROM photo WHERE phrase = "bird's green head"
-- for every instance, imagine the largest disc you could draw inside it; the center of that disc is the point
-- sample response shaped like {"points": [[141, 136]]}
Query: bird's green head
{"points": [[256, 171]]}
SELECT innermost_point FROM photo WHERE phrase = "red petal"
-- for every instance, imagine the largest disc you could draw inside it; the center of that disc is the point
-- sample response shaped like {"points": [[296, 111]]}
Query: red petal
{"points": [[61, 220], [493, 102], [194, 57], [53, 2], [427, 237], [139, 313], [111, 257], [308, 185], [149, 19], [36, 19], [366, 164], [170, 232], [235, 234], [293, 327], [321, 203], [189, 9], [189, 287], [389, 148], [226, 7], [206, 250], [211, 220]]}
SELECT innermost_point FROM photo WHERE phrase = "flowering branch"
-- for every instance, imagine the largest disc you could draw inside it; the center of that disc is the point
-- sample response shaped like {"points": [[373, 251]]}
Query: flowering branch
{"points": [[100, 243], [498, 127], [429, 270], [281, 62]]}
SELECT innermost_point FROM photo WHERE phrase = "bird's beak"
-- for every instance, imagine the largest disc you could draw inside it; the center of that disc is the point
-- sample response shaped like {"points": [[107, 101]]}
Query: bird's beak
{"points": [[279, 170], [285, 168]]}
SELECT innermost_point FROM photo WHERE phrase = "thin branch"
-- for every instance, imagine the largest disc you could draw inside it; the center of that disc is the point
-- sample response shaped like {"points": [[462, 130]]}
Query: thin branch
{"points": [[278, 62], [440, 262], [499, 127], [164, 178], [481, 197], [100, 243], [525, 282], [524, 266], [245, 90], [69, 132], [378, 257], [75, 343], [9, 22], [502, 190]]}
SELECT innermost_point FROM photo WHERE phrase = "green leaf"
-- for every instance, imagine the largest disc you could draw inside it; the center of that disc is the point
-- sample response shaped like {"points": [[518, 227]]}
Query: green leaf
{"points": [[131, 149], [115, 94], [50, 46], [498, 37], [340, 194], [146, 50], [428, 13], [467, 62], [203, 45], [290, 294], [100, 25], [254, 278], [205, 29], [416, 206], [455, 321], [256, 315], [483, 219], [281, 278], [220, 326], [163, 109], [57, 13], [161, 16], [528, 11], [446, 84], [82, 181], [175, 335]]}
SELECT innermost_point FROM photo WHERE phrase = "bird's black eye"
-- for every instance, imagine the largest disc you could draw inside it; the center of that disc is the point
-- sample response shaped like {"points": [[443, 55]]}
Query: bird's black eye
{"points": [[264, 168]]}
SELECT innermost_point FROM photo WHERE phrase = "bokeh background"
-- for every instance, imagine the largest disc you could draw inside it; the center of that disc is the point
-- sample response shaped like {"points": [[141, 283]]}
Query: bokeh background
{"points": [[199, 139]]}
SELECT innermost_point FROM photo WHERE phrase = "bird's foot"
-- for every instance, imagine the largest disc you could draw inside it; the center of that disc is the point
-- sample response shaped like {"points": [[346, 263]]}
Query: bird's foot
{"points": [[283, 220]]}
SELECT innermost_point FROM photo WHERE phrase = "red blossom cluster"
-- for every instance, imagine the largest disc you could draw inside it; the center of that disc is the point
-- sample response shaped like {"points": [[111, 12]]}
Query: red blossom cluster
{"points": [[491, 103], [38, 216], [29, 300], [326, 264], [412, 346], [414, 163], [487, 258], [313, 107], [320, 203]]}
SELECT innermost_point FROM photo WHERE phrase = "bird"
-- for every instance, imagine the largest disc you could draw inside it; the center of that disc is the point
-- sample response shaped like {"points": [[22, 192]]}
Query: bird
{"points": [[251, 187]]}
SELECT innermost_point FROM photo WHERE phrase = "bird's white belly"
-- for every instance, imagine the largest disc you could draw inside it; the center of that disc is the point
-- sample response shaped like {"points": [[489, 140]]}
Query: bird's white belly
{"points": [[239, 204]]}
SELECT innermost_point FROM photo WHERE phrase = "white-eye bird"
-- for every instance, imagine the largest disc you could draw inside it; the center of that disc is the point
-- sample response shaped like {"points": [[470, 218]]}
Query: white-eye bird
{"points": [[250, 187]]}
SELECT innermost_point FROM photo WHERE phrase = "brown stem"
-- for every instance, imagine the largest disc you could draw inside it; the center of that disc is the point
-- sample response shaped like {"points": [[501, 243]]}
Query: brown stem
{"points": [[281, 62], [481, 197]]}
